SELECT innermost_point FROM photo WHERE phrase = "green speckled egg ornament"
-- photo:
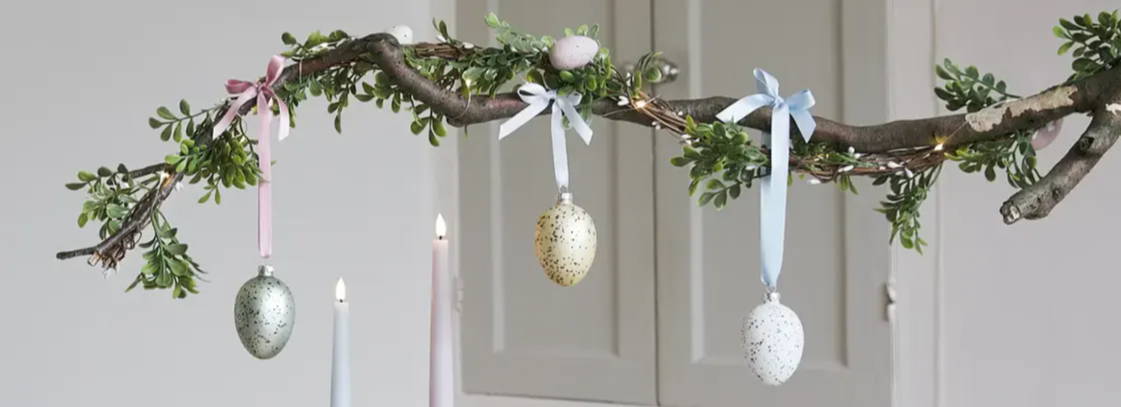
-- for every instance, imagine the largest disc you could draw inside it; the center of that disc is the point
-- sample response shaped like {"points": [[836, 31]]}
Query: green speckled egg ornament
{"points": [[264, 314], [566, 242]]}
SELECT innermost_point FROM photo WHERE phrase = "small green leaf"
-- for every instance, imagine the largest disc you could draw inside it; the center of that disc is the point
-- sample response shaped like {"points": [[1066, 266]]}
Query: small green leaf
{"points": [[116, 211], [1065, 47], [177, 248], [1084, 65], [721, 200], [941, 72], [135, 282], [972, 72], [706, 198], [163, 280], [438, 127], [473, 74], [288, 39], [86, 176], [493, 21], [74, 186], [154, 123], [184, 107], [165, 113], [178, 268], [1060, 32]]}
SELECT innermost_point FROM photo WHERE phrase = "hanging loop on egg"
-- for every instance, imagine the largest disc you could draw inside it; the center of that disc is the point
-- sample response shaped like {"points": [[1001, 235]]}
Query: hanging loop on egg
{"points": [[564, 197], [771, 295]]}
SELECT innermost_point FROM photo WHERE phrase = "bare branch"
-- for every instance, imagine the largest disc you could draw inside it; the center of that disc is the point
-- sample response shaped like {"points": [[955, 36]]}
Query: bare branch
{"points": [[1038, 200]]}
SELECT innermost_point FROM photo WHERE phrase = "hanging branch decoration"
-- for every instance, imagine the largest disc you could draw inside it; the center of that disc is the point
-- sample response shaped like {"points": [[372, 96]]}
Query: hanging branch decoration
{"points": [[457, 83]]}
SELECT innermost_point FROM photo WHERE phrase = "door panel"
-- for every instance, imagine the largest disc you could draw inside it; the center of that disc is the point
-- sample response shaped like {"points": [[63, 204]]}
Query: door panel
{"points": [[836, 250], [522, 334]]}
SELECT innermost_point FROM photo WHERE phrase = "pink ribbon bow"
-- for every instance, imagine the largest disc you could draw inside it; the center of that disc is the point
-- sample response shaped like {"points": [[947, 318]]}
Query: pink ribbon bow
{"points": [[262, 90]]}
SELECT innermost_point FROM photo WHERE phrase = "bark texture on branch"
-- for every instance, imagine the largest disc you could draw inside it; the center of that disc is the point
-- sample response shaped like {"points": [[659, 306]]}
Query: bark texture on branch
{"points": [[1036, 201], [1099, 95]]}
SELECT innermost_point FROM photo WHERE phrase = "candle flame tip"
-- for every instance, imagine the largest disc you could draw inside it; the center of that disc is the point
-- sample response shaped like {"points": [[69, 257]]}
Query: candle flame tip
{"points": [[340, 290], [441, 226]]}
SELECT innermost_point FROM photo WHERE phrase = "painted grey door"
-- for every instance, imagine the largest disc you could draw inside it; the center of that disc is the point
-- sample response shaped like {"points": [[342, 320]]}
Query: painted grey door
{"points": [[522, 334], [837, 257]]}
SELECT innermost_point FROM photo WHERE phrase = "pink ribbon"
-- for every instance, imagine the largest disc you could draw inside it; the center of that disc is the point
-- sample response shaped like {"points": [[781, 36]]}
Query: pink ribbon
{"points": [[262, 90]]}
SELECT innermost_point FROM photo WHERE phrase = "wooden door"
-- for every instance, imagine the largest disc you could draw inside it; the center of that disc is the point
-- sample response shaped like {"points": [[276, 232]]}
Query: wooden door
{"points": [[837, 254], [522, 334]]}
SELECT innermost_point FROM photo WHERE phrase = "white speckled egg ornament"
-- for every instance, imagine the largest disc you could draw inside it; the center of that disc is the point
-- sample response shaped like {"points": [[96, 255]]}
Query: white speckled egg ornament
{"points": [[565, 240], [264, 314], [573, 52], [773, 340]]}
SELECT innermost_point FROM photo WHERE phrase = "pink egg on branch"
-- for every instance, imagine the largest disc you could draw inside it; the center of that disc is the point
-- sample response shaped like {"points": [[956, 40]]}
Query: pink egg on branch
{"points": [[573, 52]]}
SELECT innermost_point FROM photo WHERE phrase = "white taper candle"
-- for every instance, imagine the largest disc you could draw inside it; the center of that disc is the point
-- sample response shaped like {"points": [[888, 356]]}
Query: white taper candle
{"points": [[340, 356]]}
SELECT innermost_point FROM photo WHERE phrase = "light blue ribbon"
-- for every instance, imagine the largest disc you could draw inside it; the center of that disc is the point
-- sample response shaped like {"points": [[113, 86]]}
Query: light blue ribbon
{"points": [[772, 192], [564, 106]]}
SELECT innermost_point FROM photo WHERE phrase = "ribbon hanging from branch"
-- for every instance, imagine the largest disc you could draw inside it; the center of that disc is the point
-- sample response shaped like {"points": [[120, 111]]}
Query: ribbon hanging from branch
{"points": [[564, 106], [261, 90], [772, 192]]}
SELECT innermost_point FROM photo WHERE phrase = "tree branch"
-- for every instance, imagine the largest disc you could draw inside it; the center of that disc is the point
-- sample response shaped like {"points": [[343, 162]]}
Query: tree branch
{"points": [[1038, 200], [916, 138]]}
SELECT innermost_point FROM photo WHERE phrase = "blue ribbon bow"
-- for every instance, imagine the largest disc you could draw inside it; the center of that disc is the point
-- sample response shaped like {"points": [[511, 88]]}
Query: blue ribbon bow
{"points": [[564, 106], [772, 192]]}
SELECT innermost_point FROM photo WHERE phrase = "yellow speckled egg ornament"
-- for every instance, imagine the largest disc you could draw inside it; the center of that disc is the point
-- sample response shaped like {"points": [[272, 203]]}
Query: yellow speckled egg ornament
{"points": [[565, 241]]}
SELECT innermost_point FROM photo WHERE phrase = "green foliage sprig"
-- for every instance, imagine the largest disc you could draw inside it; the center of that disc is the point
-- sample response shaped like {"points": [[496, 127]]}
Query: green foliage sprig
{"points": [[1014, 155], [908, 190], [227, 161], [968, 88], [111, 196], [722, 159], [1096, 43], [167, 264]]}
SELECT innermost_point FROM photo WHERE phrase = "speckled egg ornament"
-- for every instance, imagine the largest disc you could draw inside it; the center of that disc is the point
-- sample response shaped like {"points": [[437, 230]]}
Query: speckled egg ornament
{"points": [[773, 341], [264, 314], [566, 242], [573, 52]]}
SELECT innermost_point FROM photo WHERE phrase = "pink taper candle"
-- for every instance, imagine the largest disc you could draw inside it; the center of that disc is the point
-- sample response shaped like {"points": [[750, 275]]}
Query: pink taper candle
{"points": [[441, 379]]}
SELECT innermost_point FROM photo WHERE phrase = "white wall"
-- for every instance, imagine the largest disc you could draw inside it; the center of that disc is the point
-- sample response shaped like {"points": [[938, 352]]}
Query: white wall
{"points": [[81, 79], [1005, 315]]}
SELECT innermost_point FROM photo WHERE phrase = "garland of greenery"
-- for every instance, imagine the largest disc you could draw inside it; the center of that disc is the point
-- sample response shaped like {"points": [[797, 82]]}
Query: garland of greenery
{"points": [[721, 158]]}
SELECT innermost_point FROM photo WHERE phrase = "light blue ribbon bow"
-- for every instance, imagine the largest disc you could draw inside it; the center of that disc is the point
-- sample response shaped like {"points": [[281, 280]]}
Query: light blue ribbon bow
{"points": [[538, 99], [772, 192]]}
